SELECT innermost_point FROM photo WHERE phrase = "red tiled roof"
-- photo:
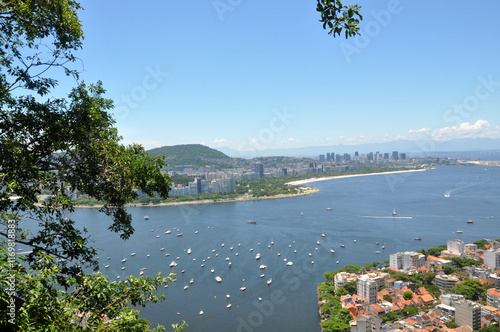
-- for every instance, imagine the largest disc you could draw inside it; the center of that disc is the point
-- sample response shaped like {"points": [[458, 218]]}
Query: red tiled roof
{"points": [[423, 291], [493, 291], [427, 298], [378, 308]]}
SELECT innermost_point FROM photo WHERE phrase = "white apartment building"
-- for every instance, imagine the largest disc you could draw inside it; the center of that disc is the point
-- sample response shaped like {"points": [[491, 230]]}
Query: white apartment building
{"points": [[456, 245], [367, 288], [492, 258], [493, 298], [407, 259]]}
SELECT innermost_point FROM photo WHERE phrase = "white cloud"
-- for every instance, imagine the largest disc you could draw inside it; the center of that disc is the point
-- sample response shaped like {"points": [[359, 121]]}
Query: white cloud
{"points": [[480, 129], [290, 140], [219, 142], [419, 131]]}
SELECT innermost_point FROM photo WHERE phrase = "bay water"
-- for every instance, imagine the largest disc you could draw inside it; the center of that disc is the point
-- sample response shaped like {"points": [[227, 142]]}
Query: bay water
{"points": [[431, 205]]}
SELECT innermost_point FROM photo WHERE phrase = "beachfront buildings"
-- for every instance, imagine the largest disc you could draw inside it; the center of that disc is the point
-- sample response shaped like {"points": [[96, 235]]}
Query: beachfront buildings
{"points": [[405, 260]]}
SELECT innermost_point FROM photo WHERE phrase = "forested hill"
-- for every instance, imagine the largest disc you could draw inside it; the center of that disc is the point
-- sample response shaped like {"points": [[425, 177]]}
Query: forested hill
{"points": [[191, 154]]}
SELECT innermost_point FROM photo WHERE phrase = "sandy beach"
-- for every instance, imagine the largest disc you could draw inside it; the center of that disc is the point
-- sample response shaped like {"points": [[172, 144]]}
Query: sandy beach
{"points": [[299, 182], [307, 191]]}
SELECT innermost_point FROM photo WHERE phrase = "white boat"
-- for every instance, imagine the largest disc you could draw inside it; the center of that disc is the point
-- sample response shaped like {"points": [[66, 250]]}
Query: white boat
{"points": [[191, 281], [459, 232], [228, 296], [302, 213], [310, 254], [124, 260], [338, 262], [342, 246], [106, 266], [162, 249], [312, 262], [157, 236], [332, 251], [289, 263], [179, 234], [189, 251], [262, 267], [218, 279], [222, 245], [201, 312], [383, 247], [257, 257], [148, 255], [394, 213], [186, 287], [195, 232], [329, 209], [377, 252], [229, 264], [146, 217], [212, 270], [141, 273], [354, 241], [123, 267], [242, 288], [269, 281], [231, 248], [251, 221], [132, 254], [173, 264], [168, 232], [470, 221], [323, 234], [262, 275], [317, 242], [228, 305]]}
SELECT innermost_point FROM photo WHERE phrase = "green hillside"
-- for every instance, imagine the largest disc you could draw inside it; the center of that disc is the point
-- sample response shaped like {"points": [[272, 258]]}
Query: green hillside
{"points": [[191, 154]]}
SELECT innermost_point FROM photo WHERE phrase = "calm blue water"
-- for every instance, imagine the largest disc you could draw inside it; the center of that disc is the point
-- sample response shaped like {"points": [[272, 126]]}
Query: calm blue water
{"points": [[289, 303]]}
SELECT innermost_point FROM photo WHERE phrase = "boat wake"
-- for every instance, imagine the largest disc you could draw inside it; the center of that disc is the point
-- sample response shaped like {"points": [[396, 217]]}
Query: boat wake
{"points": [[385, 217]]}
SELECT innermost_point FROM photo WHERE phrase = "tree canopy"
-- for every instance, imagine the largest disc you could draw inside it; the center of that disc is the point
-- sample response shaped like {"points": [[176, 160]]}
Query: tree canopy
{"points": [[57, 146]]}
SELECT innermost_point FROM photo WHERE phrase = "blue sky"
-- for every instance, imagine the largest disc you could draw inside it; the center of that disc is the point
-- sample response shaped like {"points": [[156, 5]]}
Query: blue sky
{"points": [[264, 74]]}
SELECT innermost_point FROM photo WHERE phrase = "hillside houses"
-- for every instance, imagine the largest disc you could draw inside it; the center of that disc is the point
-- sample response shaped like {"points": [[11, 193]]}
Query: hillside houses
{"points": [[385, 300]]}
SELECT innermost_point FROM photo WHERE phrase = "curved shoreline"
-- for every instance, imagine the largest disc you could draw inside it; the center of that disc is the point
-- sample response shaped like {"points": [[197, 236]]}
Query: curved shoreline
{"points": [[299, 182], [308, 191]]}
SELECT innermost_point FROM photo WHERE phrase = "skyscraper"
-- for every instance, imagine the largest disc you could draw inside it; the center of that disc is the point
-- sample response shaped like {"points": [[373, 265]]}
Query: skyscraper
{"points": [[259, 170]]}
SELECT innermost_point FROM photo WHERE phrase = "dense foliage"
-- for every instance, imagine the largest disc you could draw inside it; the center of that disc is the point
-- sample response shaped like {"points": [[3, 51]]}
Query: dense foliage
{"points": [[56, 146], [196, 155]]}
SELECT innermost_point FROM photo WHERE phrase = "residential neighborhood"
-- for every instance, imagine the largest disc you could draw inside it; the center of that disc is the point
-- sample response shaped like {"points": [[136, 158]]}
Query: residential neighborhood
{"points": [[450, 288]]}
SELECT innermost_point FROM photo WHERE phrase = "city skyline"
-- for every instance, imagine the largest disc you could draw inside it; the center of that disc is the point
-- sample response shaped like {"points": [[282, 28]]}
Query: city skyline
{"points": [[255, 75]]}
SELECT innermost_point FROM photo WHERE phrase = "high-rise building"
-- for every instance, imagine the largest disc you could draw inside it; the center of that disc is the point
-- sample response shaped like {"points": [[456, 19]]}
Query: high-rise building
{"points": [[395, 155], [386, 156], [402, 156], [259, 170], [492, 258], [356, 153], [367, 289], [456, 245], [321, 158], [328, 156], [493, 298], [285, 171], [468, 313], [347, 157]]}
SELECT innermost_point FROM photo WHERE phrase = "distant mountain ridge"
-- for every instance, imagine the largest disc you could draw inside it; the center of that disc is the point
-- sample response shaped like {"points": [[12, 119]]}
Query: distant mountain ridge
{"points": [[190, 154], [420, 148]]}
